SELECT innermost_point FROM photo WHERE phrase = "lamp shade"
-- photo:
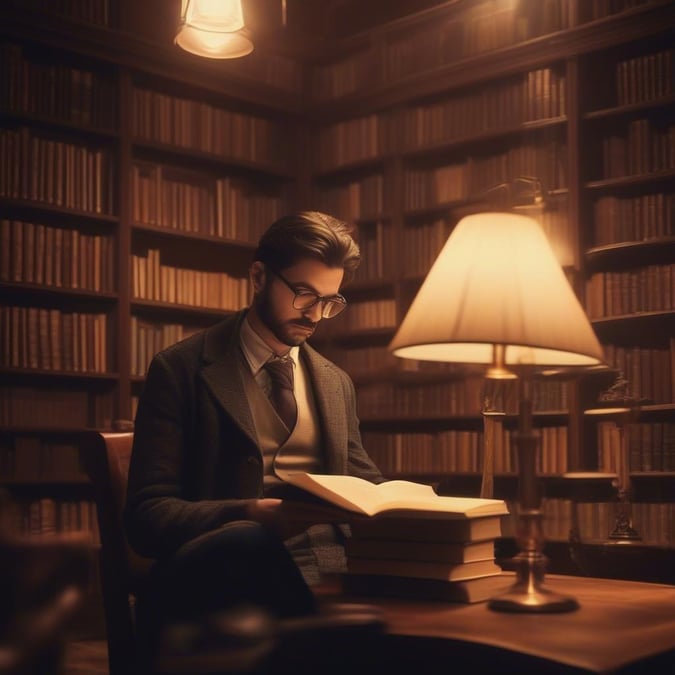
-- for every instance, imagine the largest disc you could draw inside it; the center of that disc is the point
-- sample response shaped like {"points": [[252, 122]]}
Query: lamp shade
{"points": [[214, 29], [497, 282]]}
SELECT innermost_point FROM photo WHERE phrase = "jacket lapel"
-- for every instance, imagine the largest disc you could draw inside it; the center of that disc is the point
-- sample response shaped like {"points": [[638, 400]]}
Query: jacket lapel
{"points": [[223, 377], [222, 374]]}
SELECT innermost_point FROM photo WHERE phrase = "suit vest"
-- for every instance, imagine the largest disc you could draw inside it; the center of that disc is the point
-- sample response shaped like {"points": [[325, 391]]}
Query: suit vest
{"points": [[301, 451]]}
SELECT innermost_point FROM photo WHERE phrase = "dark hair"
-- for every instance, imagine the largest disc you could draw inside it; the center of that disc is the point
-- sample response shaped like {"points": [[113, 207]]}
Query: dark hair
{"points": [[309, 234]]}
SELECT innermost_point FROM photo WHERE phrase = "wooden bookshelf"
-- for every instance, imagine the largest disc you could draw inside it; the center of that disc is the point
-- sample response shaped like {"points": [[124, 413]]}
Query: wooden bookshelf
{"points": [[132, 191], [156, 173], [457, 110]]}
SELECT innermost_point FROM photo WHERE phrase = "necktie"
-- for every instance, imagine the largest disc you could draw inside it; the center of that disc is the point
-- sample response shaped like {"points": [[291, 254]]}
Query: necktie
{"points": [[283, 399]]}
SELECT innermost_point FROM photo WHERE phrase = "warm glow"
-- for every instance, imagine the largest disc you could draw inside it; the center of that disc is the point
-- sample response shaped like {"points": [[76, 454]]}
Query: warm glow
{"points": [[213, 45], [213, 28], [213, 15], [497, 281]]}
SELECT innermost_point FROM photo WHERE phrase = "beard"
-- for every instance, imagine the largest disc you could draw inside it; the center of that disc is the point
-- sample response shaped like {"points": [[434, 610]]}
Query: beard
{"points": [[291, 332]]}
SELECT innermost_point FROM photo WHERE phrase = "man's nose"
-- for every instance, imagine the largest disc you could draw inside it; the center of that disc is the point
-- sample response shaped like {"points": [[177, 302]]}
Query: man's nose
{"points": [[315, 313]]}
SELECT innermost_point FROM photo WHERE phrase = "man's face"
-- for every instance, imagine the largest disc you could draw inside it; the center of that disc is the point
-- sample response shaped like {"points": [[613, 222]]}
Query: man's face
{"points": [[273, 301]]}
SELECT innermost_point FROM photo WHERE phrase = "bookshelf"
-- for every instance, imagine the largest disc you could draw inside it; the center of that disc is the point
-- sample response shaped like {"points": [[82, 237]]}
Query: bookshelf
{"points": [[133, 188], [465, 100], [629, 265], [156, 171]]}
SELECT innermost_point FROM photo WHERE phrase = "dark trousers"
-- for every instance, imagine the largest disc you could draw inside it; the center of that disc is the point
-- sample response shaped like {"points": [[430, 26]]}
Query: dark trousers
{"points": [[239, 564]]}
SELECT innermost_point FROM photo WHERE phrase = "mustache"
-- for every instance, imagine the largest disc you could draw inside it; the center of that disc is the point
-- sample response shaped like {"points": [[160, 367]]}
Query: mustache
{"points": [[305, 323]]}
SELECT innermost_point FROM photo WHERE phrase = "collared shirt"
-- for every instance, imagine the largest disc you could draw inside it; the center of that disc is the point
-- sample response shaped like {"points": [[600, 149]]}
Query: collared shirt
{"points": [[257, 353]]}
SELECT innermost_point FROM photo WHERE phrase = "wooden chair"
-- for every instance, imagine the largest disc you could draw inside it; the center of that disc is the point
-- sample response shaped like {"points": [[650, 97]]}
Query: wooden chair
{"points": [[106, 457], [317, 641]]}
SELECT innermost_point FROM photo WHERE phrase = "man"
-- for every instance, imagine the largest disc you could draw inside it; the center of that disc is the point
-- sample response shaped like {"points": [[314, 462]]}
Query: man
{"points": [[206, 496]]}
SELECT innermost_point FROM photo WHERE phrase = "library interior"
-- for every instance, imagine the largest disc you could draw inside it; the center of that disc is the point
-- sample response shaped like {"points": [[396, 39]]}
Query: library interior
{"points": [[505, 358]]}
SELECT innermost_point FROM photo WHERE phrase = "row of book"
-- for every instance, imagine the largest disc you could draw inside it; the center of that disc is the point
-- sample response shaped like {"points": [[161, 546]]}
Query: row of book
{"points": [[34, 253], [362, 362], [535, 95], [51, 516], [33, 84], [352, 140], [651, 446], [421, 400], [226, 207], [55, 172], [351, 74], [368, 359], [148, 338], [564, 520], [365, 316], [276, 70], [646, 77], [422, 242], [355, 199], [654, 522], [642, 289], [378, 251], [31, 458], [479, 30], [599, 9], [477, 173], [461, 451], [90, 11], [58, 407], [622, 219], [650, 371], [424, 238], [200, 126], [51, 339], [456, 397], [643, 149], [450, 39], [152, 280]]}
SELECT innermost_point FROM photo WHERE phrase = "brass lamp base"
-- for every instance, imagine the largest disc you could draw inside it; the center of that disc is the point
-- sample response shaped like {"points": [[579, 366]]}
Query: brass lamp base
{"points": [[528, 594]]}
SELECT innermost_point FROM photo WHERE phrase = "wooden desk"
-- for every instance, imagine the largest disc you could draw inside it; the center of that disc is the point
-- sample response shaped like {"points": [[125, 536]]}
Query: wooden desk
{"points": [[621, 627]]}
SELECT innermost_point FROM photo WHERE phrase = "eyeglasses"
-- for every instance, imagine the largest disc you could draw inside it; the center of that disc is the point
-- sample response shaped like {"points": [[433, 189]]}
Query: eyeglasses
{"points": [[304, 300]]}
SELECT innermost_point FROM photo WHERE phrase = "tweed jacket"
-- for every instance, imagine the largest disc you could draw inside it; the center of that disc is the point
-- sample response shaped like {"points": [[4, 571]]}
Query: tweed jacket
{"points": [[196, 458]]}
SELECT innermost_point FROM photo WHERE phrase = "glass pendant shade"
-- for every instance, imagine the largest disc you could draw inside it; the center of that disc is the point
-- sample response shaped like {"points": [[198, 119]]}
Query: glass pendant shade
{"points": [[213, 29]]}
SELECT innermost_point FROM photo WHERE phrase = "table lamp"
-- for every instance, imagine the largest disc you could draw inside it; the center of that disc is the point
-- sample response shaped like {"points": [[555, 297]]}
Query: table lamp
{"points": [[496, 295]]}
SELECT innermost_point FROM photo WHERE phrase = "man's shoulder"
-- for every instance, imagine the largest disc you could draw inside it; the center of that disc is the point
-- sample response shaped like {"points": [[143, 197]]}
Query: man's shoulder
{"points": [[320, 360]]}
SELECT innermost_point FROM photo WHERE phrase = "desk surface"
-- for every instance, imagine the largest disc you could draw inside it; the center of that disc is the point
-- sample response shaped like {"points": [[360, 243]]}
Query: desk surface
{"points": [[618, 623]]}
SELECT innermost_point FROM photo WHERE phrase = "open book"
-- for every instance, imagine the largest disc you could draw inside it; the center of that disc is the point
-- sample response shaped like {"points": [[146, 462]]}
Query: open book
{"points": [[394, 497]]}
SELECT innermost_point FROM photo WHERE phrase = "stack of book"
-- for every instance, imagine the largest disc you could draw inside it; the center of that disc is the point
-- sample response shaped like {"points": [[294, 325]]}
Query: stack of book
{"points": [[451, 559], [408, 541]]}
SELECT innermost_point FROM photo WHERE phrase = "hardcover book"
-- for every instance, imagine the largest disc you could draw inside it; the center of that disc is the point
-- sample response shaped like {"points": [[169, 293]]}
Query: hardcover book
{"points": [[478, 589], [395, 497], [421, 530], [445, 571], [391, 549]]}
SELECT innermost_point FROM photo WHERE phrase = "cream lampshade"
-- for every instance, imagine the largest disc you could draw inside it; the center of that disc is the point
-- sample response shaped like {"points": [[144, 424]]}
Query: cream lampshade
{"points": [[214, 29], [497, 282], [496, 295]]}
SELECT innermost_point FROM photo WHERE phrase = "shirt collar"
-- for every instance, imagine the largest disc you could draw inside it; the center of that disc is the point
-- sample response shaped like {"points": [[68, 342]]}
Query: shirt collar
{"points": [[256, 351]]}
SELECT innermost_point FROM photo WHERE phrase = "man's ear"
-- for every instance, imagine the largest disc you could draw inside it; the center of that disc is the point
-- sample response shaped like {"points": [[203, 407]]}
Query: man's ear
{"points": [[257, 276]]}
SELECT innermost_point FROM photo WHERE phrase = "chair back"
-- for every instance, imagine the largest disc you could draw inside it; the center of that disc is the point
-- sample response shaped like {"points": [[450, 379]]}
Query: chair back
{"points": [[106, 458]]}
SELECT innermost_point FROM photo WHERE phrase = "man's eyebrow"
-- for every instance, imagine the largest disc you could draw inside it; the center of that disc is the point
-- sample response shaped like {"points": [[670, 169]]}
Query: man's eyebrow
{"points": [[305, 286]]}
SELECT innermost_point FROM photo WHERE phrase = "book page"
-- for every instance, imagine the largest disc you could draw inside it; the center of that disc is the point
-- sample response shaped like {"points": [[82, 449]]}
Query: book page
{"points": [[361, 496]]}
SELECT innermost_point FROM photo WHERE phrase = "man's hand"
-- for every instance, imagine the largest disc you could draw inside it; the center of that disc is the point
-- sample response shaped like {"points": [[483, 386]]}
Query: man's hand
{"points": [[287, 517]]}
